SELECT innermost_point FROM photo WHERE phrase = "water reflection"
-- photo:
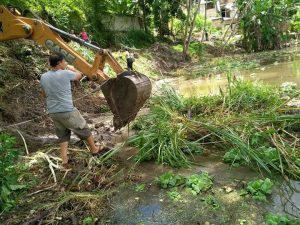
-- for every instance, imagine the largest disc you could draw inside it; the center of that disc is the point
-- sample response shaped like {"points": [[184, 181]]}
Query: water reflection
{"points": [[287, 199], [274, 74]]}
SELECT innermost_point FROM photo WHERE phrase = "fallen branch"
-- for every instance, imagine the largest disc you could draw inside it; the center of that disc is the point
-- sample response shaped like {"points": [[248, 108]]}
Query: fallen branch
{"points": [[37, 218], [23, 139]]}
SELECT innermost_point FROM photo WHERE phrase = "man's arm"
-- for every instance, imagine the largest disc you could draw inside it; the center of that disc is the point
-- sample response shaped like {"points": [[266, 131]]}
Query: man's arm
{"points": [[78, 74]]}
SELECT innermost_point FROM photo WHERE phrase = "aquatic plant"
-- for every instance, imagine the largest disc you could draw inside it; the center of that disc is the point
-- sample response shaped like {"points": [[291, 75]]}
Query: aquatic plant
{"points": [[199, 183], [259, 189], [174, 195], [195, 183], [277, 219], [211, 202], [169, 180], [245, 96]]}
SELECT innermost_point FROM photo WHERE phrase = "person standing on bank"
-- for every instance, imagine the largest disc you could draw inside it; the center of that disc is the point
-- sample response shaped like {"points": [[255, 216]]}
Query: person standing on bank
{"points": [[84, 36], [129, 59], [66, 118]]}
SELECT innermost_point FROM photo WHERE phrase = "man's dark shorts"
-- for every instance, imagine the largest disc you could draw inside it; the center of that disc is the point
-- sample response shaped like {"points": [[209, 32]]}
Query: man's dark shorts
{"points": [[66, 122]]}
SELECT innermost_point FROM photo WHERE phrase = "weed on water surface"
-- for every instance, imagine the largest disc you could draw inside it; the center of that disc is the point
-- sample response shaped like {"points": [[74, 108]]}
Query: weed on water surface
{"points": [[259, 189], [195, 183], [174, 195], [199, 183], [170, 180], [140, 187], [211, 202], [277, 219]]}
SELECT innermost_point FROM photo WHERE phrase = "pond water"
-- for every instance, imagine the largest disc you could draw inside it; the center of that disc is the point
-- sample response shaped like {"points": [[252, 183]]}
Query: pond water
{"points": [[273, 74], [286, 199], [153, 206]]}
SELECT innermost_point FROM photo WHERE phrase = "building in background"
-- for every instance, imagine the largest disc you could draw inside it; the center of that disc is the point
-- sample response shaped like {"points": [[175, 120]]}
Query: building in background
{"points": [[220, 12]]}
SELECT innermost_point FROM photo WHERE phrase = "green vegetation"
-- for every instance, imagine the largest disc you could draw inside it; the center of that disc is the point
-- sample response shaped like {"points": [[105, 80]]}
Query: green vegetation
{"points": [[174, 195], [169, 180], [259, 189], [140, 187], [211, 202], [277, 219], [195, 183], [259, 31], [163, 134], [199, 183], [88, 220], [296, 21], [219, 65], [9, 172], [250, 130], [196, 49]]}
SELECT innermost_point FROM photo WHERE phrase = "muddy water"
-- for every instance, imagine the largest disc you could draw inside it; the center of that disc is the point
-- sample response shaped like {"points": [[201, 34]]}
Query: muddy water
{"points": [[153, 205], [286, 199], [274, 74]]}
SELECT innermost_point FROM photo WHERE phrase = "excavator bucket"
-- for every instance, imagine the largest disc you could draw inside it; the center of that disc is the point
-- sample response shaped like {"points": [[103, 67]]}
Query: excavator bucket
{"points": [[125, 95]]}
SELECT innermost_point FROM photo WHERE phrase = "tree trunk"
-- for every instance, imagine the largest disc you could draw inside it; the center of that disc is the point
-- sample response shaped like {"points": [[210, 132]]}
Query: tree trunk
{"points": [[204, 26], [185, 47], [190, 28]]}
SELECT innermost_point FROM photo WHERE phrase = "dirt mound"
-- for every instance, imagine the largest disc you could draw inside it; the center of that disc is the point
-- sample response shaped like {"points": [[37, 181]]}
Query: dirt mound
{"points": [[167, 58], [22, 62]]}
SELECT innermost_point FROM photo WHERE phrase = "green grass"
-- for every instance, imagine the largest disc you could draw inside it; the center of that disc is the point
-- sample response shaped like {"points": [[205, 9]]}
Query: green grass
{"points": [[246, 118]]}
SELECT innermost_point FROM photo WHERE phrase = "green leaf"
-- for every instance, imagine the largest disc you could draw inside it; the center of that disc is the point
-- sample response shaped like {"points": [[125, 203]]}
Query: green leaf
{"points": [[17, 187]]}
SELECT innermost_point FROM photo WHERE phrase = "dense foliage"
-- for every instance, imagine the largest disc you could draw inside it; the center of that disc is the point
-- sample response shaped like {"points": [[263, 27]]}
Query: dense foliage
{"points": [[264, 23], [9, 172]]}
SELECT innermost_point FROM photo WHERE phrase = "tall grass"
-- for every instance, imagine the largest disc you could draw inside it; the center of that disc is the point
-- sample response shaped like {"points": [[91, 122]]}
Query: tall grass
{"points": [[163, 135], [246, 117]]}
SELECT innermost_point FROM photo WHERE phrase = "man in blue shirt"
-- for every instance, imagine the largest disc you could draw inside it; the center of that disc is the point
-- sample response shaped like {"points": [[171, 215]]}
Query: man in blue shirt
{"points": [[66, 118]]}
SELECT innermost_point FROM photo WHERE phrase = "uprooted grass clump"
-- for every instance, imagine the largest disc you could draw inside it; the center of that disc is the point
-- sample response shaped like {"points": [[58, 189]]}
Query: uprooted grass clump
{"points": [[163, 134], [249, 119]]}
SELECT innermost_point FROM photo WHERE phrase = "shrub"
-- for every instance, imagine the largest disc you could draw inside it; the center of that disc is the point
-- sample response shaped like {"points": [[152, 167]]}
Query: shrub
{"points": [[9, 172]]}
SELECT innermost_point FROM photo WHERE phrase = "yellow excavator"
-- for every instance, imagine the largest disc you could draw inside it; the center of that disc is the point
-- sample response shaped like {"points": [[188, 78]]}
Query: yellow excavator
{"points": [[125, 94]]}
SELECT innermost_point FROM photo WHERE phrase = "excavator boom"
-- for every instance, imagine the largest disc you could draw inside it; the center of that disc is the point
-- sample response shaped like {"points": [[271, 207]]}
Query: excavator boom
{"points": [[125, 94]]}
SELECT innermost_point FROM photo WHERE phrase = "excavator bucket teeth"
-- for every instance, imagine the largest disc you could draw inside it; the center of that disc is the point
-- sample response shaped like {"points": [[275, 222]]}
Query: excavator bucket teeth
{"points": [[125, 95]]}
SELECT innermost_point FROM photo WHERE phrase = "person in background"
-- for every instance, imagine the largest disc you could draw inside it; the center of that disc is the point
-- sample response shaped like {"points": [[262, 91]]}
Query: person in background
{"points": [[84, 36], [129, 59], [73, 33], [56, 85]]}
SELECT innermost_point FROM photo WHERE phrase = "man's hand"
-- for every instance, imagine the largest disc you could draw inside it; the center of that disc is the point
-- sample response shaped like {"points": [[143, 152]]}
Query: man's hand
{"points": [[70, 67], [36, 82], [77, 72]]}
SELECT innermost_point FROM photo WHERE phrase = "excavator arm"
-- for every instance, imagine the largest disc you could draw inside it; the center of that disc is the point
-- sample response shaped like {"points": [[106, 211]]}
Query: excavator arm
{"points": [[125, 94]]}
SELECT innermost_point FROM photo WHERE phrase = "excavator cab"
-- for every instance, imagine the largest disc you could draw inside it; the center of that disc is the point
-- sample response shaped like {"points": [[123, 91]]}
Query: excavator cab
{"points": [[125, 94]]}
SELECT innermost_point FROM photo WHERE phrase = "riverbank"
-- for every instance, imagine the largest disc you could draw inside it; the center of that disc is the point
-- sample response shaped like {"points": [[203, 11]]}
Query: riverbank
{"points": [[113, 189]]}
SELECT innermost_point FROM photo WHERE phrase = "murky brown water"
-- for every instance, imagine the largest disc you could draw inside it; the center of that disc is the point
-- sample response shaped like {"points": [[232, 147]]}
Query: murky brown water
{"points": [[274, 74]]}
